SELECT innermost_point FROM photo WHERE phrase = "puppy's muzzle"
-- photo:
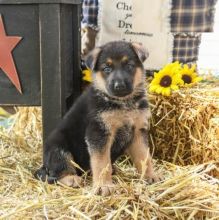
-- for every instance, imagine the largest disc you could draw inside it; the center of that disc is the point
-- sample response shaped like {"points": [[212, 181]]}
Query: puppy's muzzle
{"points": [[120, 88]]}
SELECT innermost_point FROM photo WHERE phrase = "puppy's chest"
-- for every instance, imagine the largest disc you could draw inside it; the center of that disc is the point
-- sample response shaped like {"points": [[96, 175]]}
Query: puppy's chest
{"points": [[135, 117]]}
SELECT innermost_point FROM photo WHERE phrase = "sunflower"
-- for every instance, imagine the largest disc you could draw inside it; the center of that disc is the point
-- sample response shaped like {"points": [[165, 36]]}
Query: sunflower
{"points": [[87, 75], [3, 113], [188, 75], [166, 80]]}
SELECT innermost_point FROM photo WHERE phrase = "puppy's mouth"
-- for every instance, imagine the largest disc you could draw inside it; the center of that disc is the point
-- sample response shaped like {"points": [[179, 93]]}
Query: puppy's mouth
{"points": [[120, 94]]}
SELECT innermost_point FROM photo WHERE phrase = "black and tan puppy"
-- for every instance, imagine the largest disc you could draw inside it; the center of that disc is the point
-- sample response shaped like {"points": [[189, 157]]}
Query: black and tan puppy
{"points": [[109, 119]]}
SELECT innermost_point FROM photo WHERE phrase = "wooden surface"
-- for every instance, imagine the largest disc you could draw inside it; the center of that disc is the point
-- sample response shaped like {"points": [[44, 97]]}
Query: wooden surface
{"points": [[47, 58], [22, 21]]}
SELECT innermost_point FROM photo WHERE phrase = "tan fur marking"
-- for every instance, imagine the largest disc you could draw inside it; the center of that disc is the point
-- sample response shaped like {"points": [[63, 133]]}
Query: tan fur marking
{"points": [[101, 167], [139, 77], [99, 82], [109, 61], [124, 59], [115, 119], [139, 153], [69, 176], [71, 180]]}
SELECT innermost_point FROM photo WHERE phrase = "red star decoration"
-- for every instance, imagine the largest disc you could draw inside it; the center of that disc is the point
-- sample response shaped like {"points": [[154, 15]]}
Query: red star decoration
{"points": [[7, 44]]}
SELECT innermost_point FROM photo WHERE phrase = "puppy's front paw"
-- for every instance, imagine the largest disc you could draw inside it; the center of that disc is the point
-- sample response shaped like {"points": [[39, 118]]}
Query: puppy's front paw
{"points": [[153, 178], [104, 190], [71, 181]]}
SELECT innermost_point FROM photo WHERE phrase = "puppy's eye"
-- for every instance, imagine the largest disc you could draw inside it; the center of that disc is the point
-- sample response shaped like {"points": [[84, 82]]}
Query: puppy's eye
{"points": [[107, 69]]}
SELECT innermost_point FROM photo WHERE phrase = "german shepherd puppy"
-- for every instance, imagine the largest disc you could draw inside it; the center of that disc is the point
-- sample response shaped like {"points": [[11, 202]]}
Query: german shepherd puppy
{"points": [[109, 119]]}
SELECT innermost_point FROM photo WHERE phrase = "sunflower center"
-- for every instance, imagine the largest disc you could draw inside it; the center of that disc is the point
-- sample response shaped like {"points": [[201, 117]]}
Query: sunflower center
{"points": [[166, 81], [186, 78]]}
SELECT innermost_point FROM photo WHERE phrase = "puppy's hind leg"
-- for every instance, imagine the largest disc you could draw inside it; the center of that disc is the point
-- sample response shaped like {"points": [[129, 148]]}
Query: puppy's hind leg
{"points": [[54, 161], [69, 177], [71, 180], [54, 164]]}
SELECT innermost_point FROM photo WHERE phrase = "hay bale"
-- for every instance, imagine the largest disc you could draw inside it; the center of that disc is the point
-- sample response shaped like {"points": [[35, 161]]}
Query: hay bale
{"points": [[184, 126], [25, 133], [27, 126], [186, 192]]}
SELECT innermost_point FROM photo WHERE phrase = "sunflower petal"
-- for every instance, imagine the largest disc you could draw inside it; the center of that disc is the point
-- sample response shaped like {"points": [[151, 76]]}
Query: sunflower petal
{"points": [[193, 67], [166, 92], [198, 79], [186, 67], [174, 87], [159, 90]]}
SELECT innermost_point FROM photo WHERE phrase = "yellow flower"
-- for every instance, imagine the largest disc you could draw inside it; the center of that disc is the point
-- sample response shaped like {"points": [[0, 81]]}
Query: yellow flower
{"points": [[87, 75], [166, 80], [189, 75], [4, 113], [173, 66]]}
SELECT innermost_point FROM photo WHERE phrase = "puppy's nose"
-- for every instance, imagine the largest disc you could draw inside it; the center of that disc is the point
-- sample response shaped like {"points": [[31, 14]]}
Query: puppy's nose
{"points": [[119, 86]]}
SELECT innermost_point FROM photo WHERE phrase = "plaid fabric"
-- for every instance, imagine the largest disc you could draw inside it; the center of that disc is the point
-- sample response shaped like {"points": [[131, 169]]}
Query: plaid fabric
{"points": [[186, 47], [192, 15], [90, 13], [186, 16]]}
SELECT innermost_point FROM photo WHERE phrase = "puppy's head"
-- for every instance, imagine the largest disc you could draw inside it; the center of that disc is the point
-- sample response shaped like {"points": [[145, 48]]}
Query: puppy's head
{"points": [[117, 67]]}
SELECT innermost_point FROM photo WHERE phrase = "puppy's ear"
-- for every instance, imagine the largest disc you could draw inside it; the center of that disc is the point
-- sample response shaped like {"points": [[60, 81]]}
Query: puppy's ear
{"points": [[91, 58], [140, 51]]}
